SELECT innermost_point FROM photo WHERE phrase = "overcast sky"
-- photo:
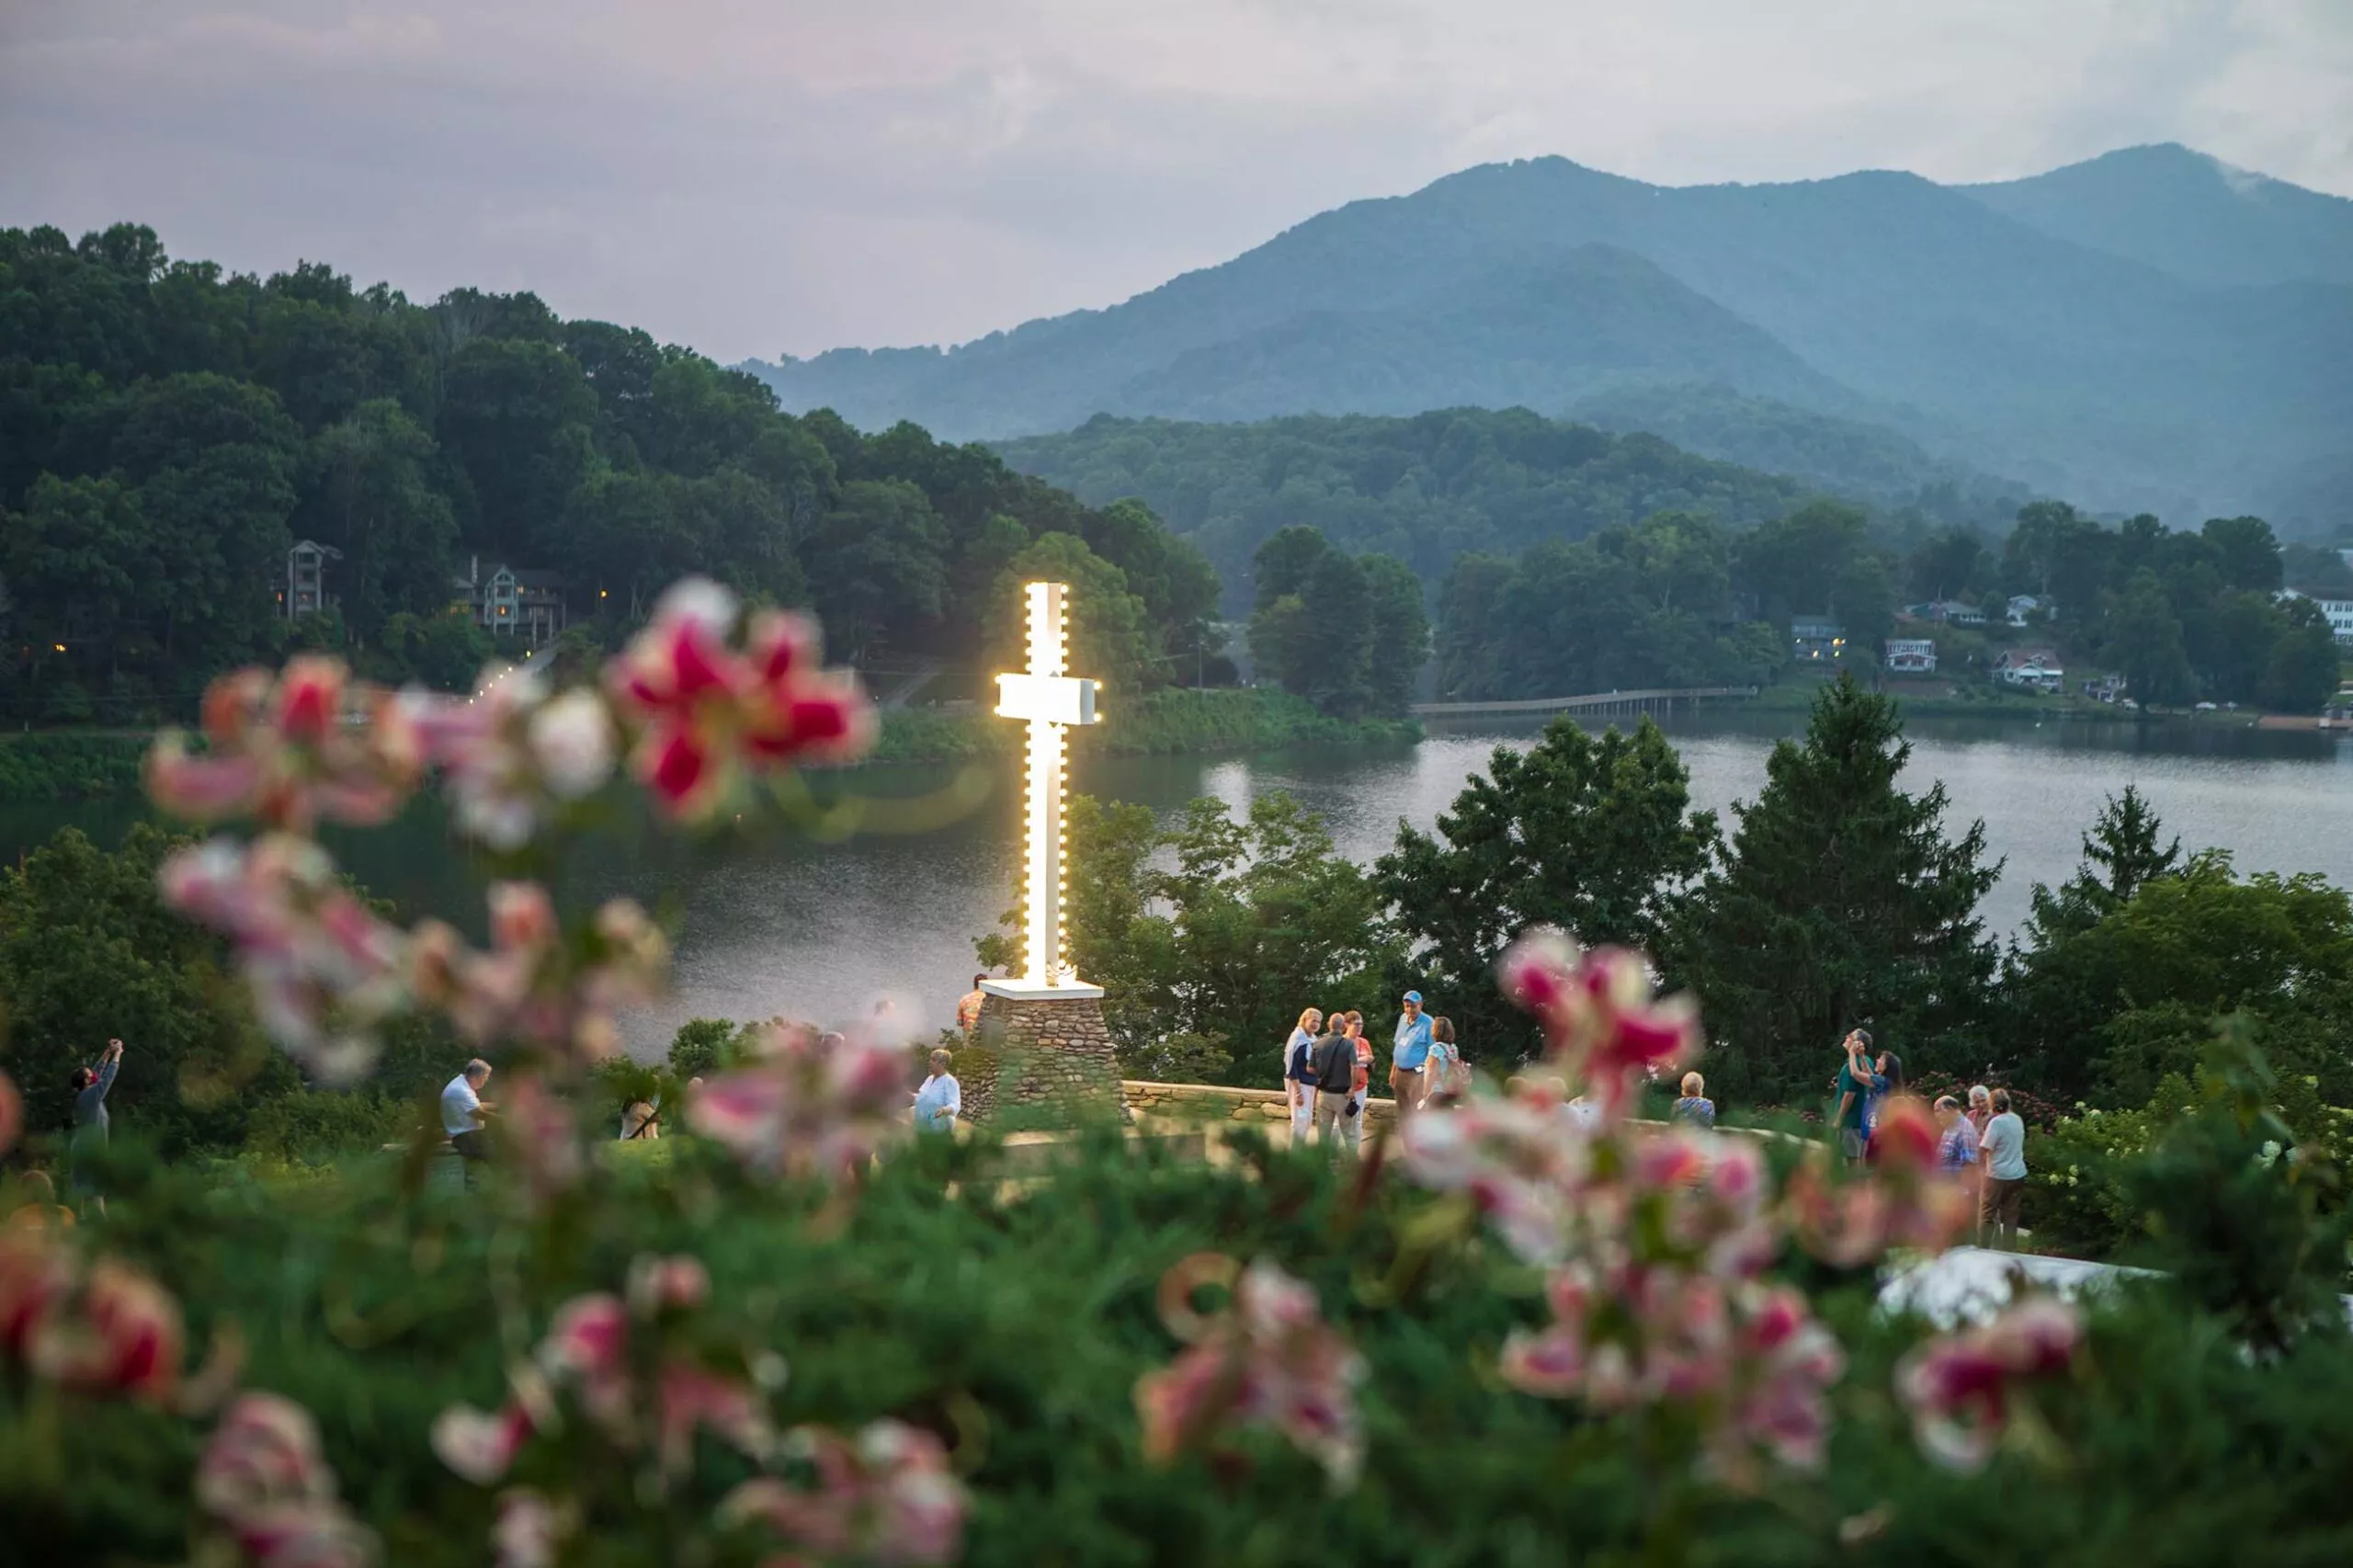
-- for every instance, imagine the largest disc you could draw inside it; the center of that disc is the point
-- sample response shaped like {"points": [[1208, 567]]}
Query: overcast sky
{"points": [[756, 176]]}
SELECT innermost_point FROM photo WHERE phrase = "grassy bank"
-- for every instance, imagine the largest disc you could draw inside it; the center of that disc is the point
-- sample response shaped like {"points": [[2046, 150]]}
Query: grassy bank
{"points": [[1159, 722], [68, 765], [54, 765]]}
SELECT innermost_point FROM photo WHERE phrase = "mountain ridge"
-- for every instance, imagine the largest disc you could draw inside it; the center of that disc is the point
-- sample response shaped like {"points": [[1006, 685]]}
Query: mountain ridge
{"points": [[1878, 296]]}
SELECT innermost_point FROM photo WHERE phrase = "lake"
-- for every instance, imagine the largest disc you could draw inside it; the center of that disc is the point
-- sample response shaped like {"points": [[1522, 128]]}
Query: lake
{"points": [[786, 923]]}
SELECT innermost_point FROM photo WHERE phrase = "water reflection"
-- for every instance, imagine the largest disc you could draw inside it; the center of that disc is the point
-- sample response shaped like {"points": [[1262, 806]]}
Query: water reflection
{"points": [[782, 924]]}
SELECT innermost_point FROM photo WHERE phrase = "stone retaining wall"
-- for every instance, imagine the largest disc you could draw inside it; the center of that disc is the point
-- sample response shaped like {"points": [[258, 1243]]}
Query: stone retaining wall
{"points": [[1214, 1102]]}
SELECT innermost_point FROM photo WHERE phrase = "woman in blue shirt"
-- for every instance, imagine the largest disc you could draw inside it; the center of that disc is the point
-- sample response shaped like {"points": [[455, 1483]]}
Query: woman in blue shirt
{"points": [[940, 1100]]}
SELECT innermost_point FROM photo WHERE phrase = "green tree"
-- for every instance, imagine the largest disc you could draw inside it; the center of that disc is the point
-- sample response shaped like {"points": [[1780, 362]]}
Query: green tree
{"points": [[89, 953], [878, 563], [1593, 836], [2122, 856], [2304, 666], [1400, 643], [2246, 551], [517, 417], [1210, 936], [2106, 1010], [1838, 903], [376, 500], [1110, 628], [2144, 642], [1948, 564]]}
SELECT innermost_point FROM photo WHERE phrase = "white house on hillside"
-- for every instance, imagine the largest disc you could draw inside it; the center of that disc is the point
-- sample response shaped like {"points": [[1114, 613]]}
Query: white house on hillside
{"points": [[2034, 669], [1911, 656]]}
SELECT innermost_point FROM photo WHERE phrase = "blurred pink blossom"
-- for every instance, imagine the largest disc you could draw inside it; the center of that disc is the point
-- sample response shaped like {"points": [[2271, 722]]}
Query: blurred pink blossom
{"points": [[1962, 1388], [264, 1477], [1601, 1022], [510, 752], [809, 1105], [1268, 1360], [707, 711], [289, 750], [885, 1497], [323, 970]]}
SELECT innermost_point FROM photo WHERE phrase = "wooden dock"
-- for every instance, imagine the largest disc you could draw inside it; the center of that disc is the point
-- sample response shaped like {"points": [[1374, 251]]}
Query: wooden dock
{"points": [[1599, 702]]}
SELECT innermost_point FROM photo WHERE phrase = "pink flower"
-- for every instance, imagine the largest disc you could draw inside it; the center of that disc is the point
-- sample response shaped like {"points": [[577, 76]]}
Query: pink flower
{"points": [[529, 985], [477, 1446], [124, 1338], [1850, 1223], [539, 1133], [1268, 1360], [689, 1398], [587, 1346], [288, 751], [1598, 1014], [661, 1284], [809, 1105], [323, 970], [1905, 1140], [264, 1477], [1961, 1387], [1520, 1159], [708, 712], [885, 1497], [510, 754], [530, 1529]]}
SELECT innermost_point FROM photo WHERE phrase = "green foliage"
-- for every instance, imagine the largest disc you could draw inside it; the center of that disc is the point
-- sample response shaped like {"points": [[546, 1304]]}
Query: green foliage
{"points": [[1014, 1318], [1592, 835], [61, 766], [1423, 489], [2106, 1010], [1839, 903], [1648, 606], [700, 1046], [1209, 936], [158, 459], [1349, 633], [88, 953], [314, 1126]]}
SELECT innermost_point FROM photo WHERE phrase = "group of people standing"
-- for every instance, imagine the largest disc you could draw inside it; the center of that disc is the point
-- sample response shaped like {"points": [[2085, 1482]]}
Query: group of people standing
{"points": [[1982, 1146], [1328, 1063]]}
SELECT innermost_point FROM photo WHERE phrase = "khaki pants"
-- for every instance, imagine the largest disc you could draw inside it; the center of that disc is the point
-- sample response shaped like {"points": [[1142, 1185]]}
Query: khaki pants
{"points": [[1331, 1118], [1406, 1083], [1997, 1211]]}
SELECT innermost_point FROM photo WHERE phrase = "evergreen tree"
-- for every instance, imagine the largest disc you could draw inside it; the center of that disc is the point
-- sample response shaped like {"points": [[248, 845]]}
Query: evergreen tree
{"points": [[2120, 857], [1839, 903], [1594, 836]]}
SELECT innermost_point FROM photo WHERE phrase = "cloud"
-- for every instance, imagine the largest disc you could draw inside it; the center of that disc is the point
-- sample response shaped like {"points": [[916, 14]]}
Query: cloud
{"points": [[754, 177]]}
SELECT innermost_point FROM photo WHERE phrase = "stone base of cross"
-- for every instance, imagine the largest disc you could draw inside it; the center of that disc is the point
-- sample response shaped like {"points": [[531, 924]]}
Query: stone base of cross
{"points": [[1050, 700]]}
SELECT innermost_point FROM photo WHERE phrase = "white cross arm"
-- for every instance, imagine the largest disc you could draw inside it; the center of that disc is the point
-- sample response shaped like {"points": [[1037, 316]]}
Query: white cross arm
{"points": [[1053, 700]]}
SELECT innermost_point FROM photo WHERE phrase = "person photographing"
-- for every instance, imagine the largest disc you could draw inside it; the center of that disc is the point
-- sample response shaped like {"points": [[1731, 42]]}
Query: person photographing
{"points": [[93, 1126]]}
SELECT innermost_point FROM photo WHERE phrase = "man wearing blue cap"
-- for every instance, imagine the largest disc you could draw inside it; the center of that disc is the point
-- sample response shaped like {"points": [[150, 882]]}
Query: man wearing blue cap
{"points": [[1411, 1049]]}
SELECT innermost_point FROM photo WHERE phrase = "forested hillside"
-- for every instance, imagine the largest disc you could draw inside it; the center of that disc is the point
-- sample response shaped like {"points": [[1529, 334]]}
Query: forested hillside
{"points": [[1425, 489], [1676, 600], [168, 431], [2010, 343], [1841, 457]]}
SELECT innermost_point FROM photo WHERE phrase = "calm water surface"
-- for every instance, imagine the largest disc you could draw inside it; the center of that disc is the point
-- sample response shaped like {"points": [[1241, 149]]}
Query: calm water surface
{"points": [[887, 916]]}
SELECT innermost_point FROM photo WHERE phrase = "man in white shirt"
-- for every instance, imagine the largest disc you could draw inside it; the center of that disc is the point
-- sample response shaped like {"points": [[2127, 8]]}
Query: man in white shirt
{"points": [[462, 1108]]}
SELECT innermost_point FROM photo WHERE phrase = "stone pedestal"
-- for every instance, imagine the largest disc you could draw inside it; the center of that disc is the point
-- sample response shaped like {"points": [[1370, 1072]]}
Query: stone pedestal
{"points": [[1054, 1061]]}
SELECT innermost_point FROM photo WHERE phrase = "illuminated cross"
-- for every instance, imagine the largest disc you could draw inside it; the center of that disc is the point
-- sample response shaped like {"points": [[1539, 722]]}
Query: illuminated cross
{"points": [[1052, 700]]}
